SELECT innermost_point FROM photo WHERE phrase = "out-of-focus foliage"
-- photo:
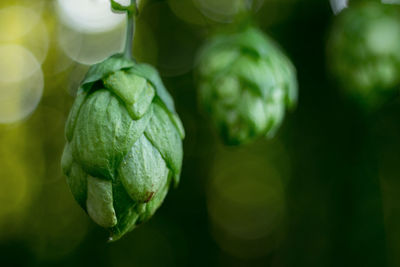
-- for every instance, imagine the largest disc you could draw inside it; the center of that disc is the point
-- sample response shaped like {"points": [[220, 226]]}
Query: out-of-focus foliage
{"points": [[323, 192], [245, 84], [364, 51]]}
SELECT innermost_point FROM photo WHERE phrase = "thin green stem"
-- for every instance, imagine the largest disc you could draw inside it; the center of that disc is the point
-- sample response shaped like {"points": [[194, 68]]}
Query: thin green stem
{"points": [[130, 32], [131, 12]]}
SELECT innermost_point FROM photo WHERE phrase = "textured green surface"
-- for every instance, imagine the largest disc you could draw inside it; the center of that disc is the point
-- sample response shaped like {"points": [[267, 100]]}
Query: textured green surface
{"points": [[245, 83], [124, 144]]}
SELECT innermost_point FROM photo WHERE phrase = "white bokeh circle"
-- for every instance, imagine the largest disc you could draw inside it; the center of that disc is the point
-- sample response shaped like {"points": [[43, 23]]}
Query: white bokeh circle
{"points": [[89, 31], [89, 49], [89, 16], [21, 83]]}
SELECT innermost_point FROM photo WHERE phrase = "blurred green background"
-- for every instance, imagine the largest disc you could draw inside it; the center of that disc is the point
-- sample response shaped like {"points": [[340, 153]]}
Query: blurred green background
{"points": [[324, 192]]}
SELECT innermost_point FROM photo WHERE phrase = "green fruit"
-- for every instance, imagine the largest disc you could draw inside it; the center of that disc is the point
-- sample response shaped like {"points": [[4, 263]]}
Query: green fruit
{"points": [[364, 51], [124, 144], [245, 83]]}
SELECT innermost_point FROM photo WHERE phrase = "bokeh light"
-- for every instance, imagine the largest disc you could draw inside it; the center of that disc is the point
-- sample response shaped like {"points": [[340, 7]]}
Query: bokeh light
{"points": [[338, 5], [89, 16], [89, 31], [246, 200], [221, 11], [187, 11], [89, 49], [21, 174], [208, 12], [21, 83], [24, 44], [16, 21], [56, 61], [24, 26], [175, 44], [225, 10]]}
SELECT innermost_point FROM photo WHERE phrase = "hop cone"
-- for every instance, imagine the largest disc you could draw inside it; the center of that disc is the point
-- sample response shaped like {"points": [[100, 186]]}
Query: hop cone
{"points": [[245, 83], [124, 144], [364, 51]]}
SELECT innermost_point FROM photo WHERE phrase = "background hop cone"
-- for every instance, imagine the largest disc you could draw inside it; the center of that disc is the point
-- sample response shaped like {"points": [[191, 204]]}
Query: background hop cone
{"points": [[124, 144], [245, 83], [364, 51]]}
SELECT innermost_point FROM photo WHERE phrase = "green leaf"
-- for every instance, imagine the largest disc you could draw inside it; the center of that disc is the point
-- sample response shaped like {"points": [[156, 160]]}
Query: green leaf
{"points": [[285, 74], [134, 91], [150, 208], [151, 74], [143, 171], [104, 134], [73, 114], [292, 86], [101, 70], [125, 224], [256, 74], [99, 202], [256, 40], [76, 177], [125, 209], [126, 85], [178, 124], [163, 134], [146, 98], [251, 110], [250, 40], [275, 109], [77, 182], [218, 61], [67, 159]]}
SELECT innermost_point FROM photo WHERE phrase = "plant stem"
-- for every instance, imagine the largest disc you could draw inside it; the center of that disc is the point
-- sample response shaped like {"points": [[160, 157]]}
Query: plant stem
{"points": [[131, 12], [130, 30]]}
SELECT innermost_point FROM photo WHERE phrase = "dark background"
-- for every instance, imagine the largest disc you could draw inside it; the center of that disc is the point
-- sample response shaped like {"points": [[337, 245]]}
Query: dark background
{"points": [[323, 192]]}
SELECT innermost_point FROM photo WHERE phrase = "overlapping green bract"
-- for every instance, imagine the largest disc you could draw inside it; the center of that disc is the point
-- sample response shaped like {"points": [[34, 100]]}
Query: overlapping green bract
{"points": [[124, 144], [245, 83], [364, 51]]}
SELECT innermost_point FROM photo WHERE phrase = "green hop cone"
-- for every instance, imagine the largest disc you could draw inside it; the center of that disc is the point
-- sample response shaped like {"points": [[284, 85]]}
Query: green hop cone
{"points": [[124, 144], [245, 84], [364, 51]]}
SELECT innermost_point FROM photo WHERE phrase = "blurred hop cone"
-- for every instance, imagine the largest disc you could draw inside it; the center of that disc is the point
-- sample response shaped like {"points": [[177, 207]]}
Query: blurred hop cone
{"points": [[245, 83], [124, 144], [364, 51]]}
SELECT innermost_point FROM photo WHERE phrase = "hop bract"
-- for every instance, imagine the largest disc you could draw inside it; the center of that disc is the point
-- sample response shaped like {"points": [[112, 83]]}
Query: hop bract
{"points": [[364, 51], [245, 83], [124, 144]]}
